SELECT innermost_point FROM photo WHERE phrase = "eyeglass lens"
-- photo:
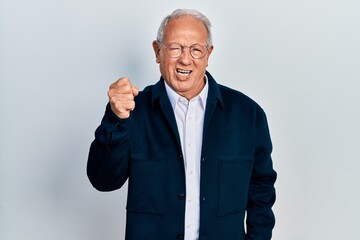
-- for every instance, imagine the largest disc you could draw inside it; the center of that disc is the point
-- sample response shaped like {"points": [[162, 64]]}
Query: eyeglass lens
{"points": [[196, 50]]}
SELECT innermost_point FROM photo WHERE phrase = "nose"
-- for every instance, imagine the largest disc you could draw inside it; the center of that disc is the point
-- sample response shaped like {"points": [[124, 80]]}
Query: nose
{"points": [[185, 57]]}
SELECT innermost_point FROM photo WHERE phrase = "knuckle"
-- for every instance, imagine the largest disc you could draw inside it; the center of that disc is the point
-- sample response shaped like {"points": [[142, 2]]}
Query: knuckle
{"points": [[127, 88], [110, 93], [117, 105], [124, 114], [132, 105], [123, 81]]}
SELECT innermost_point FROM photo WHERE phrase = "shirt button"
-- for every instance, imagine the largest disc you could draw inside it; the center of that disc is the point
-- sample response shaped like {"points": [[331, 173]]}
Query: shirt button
{"points": [[181, 196]]}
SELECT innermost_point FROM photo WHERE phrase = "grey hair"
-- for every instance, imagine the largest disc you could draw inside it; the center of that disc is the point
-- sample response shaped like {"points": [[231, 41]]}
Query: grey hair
{"points": [[185, 12]]}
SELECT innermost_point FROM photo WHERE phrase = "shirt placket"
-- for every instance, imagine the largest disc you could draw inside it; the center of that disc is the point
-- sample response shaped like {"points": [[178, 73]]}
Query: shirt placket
{"points": [[192, 180]]}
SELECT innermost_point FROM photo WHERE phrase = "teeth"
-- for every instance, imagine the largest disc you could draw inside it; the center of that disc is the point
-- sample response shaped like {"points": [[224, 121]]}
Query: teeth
{"points": [[183, 72]]}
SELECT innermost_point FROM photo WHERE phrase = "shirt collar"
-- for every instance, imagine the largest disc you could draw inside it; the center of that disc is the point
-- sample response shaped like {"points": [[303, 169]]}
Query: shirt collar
{"points": [[174, 97]]}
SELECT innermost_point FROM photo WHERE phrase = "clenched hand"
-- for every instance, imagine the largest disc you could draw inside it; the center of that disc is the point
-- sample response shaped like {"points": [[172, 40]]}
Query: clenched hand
{"points": [[121, 96]]}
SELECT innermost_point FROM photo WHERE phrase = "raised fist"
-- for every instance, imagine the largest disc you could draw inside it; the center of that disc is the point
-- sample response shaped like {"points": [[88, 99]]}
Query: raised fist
{"points": [[121, 96]]}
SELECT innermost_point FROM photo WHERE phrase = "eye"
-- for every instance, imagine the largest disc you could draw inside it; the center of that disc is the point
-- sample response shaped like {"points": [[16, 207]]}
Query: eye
{"points": [[173, 47], [198, 48]]}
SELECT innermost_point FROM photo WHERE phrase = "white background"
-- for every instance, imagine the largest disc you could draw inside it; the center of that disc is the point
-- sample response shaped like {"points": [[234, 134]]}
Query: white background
{"points": [[298, 59]]}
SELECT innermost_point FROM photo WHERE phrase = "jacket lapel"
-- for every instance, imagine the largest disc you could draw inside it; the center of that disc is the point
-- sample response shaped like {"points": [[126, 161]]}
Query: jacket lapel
{"points": [[214, 98], [161, 101]]}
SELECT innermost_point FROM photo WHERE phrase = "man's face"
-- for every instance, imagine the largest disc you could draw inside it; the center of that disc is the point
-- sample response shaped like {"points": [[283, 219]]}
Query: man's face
{"points": [[185, 75]]}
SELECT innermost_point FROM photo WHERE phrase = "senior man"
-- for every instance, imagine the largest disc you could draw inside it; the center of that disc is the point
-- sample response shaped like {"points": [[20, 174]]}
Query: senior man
{"points": [[196, 153]]}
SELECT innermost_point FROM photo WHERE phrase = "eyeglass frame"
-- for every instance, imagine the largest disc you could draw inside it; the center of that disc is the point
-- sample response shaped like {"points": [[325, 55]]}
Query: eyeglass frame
{"points": [[183, 47]]}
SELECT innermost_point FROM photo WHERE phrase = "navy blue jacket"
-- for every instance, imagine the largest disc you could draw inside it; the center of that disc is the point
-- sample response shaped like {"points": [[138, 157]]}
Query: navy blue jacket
{"points": [[237, 175]]}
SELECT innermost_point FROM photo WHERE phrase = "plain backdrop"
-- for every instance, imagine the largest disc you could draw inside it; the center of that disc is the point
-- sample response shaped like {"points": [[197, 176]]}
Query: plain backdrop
{"points": [[298, 59]]}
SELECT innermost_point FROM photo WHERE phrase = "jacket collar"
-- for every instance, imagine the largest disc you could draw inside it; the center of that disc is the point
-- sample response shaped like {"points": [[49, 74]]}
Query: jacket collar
{"points": [[159, 93]]}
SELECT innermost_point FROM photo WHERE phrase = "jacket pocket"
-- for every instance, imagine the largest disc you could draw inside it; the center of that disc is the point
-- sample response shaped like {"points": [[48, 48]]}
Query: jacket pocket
{"points": [[234, 178], [147, 182]]}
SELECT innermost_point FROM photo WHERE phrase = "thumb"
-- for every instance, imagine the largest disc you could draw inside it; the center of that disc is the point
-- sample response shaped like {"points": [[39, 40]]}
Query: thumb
{"points": [[135, 91]]}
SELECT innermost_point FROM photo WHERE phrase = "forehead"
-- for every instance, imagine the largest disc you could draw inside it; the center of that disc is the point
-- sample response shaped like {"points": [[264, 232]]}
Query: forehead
{"points": [[185, 30]]}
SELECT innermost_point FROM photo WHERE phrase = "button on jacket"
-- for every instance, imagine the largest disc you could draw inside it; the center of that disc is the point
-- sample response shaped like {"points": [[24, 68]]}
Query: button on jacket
{"points": [[236, 172]]}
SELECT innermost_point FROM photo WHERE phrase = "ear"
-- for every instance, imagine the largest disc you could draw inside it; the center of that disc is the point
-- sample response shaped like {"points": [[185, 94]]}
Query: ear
{"points": [[156, 47], [208, 54]]}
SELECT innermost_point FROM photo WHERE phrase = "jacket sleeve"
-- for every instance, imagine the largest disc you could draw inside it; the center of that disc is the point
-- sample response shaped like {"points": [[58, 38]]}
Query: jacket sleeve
{"points": [[260, 218], [108, 159]]}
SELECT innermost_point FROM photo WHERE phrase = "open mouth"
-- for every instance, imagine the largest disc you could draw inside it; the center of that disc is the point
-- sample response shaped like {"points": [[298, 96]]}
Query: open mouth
{"points": [[183, 72]]}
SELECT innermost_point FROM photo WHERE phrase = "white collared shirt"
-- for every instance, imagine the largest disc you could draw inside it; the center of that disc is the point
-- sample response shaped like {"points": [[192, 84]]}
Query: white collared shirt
{"points": [[190, 121]]}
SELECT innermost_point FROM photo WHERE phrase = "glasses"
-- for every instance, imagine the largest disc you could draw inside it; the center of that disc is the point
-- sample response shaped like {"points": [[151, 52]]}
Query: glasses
{"points": [[175, 50]]}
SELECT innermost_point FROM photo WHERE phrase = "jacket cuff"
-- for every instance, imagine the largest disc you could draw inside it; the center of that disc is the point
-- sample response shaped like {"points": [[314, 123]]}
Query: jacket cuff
{"points": [[113, 130], [115, 120]]}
